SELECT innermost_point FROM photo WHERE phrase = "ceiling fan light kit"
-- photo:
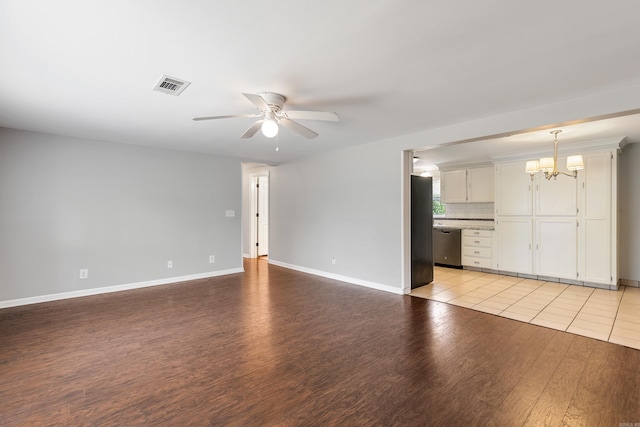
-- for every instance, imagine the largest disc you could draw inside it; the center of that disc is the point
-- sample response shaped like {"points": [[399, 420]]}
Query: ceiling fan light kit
{"points": [[269, 125], [549, 165], [272, 116]]}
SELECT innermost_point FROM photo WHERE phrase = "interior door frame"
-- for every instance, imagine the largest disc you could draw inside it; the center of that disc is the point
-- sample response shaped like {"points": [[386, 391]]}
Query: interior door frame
{"points": [[253, 229], [405, 222]]}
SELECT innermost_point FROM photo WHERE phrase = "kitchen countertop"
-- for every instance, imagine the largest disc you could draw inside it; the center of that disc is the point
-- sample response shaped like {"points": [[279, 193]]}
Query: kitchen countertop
{"points": [[490, 228], [465, 223], [465, 227]]}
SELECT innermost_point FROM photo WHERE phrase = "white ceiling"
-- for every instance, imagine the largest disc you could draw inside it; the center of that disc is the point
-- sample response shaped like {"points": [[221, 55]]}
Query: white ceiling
{"points": [[538, 141], [388, 68]]}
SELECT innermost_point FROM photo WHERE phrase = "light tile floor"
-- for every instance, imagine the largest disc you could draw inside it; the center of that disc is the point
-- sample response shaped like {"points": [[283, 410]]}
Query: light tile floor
{"points": [[612, 316]]}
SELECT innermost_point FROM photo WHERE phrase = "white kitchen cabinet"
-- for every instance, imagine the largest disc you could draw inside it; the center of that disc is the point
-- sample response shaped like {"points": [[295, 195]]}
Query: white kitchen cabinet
{"points": [[473, 185], [480, 185], [513, 190], [596, 257], [556, 197], [556, 247], [571, 223], [477, 248], [517, 194], [514, 236], [453, 186]]}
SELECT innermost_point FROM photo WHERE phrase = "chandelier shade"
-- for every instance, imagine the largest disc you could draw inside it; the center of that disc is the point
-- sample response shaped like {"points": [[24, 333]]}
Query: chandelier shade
{"points": [[575, 163], [532, 166], [546, 164]]}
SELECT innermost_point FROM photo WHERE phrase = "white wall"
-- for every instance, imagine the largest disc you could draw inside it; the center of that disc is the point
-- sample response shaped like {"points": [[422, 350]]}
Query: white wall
{"points": [[629, 213], [122, 211]]}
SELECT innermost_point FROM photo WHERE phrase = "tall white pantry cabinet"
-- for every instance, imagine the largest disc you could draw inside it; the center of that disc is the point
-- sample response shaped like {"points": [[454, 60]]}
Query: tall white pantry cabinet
{"points": [[564, 228]]}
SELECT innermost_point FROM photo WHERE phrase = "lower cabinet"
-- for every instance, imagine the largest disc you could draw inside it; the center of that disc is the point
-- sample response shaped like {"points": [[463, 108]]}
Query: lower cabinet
{"points": [[515, 236], [542, 247], [556, 247], [477, 248], [595, 258]]}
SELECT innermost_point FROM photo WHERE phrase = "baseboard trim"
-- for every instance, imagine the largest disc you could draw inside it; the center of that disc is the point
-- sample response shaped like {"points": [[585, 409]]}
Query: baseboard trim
{"points": [[549, 278], [628, 282], [116, 288], [352, 280]]}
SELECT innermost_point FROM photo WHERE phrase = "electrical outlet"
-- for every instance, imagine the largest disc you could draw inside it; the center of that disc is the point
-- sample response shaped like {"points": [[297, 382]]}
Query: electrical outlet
{"points": [[84, 273], [333, 260], [169, 264], [212, 259]]}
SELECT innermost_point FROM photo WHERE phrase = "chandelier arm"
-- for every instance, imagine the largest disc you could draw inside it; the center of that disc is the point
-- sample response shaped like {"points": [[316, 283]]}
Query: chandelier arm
{"points": [[572, 175]]}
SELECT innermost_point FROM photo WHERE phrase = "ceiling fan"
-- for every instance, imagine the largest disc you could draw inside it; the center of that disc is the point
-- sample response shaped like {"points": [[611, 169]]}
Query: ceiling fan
{"points": [[272, 115]]}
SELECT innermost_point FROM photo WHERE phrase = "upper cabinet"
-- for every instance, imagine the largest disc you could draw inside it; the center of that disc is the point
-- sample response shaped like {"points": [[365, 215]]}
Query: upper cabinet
{"points": [[480, 185], [473, 185], [513, 188], [453, 186], [556, 197], [518, 195]]}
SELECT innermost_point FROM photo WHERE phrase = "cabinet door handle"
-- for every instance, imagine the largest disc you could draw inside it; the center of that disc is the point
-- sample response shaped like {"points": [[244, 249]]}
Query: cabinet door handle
{"points": [[476, 252], [476, 232], [476, 262], [476, 241]]}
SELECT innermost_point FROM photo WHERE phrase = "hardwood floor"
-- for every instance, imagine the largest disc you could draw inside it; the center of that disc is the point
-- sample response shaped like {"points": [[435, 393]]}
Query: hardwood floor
{"points": [[278, 347]]}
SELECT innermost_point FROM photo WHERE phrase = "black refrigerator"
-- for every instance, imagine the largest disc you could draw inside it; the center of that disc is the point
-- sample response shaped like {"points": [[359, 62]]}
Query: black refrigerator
{"points": [[421, 230]]}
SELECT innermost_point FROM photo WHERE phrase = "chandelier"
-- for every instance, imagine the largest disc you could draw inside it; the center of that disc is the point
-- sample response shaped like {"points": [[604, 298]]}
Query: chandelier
{"points": [[549, 165]]}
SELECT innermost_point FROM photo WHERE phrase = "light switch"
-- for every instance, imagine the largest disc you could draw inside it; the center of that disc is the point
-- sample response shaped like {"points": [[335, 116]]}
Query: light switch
{"points": [[231, 213]]}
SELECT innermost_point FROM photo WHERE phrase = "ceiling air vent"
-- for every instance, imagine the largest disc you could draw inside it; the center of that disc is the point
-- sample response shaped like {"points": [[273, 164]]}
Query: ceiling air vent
{"points": [[171, 85]]}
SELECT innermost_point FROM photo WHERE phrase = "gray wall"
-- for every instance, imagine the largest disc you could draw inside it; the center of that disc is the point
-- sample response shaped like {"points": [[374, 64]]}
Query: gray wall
{"points": [[344, 204], [629, 212], [122, 211]]}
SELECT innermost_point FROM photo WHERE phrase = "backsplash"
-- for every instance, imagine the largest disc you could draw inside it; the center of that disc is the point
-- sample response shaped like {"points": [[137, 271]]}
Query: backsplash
{"points": [[469, 210]]}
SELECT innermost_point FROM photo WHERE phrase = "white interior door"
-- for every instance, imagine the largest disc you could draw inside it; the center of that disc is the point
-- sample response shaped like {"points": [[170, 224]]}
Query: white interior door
{"points": [[262, 215]]}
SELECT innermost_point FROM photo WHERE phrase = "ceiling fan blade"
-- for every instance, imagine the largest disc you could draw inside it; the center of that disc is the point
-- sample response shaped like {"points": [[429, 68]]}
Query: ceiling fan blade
{"points": [[297, 128], [258, 101], [226, 117], [311, 115], [253, 129]]}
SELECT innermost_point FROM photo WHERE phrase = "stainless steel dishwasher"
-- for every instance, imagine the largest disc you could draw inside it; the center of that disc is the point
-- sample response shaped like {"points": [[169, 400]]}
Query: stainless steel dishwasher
{"points": [[447, 246]]}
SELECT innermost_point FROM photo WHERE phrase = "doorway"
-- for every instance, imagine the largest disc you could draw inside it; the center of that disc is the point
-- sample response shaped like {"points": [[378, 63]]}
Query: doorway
{"points": [[260, 215]]}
